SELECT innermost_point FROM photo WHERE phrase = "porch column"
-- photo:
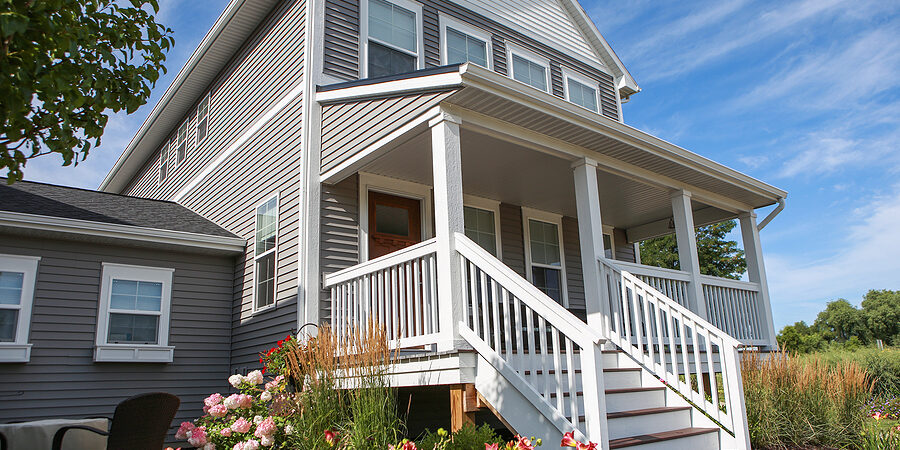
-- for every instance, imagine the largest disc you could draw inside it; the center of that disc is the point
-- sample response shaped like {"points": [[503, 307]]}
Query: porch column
{"points": [[756, 272], [688, 259], [448, 220], [590, 235]]}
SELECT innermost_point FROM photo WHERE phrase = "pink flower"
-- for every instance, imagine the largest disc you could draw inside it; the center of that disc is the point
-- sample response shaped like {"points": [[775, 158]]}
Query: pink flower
{"points": [[491, 446], [255, 377], [209, 446], [197, 437], [236, 380], [226, 432], [232, 401], [238, 446], [265, 428], [181, 434], [218, 411], [245, 401], [588, 446], [524, 443], [331, 437], [241, 425], [213, 400], [267, 441], [251, 444], [568, 440]]}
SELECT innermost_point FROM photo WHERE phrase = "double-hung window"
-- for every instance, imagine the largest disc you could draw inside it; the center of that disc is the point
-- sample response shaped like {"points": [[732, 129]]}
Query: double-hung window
{"points": [[181, 142], [202, 119], [581, 91], [17, 276], [392, 41], [463, 43], [164, 162], [481, 226], [135, 302], [544, 253], [529, 68], [265, 248]]}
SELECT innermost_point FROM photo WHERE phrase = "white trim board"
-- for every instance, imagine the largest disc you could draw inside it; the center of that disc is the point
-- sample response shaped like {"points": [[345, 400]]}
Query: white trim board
{"points": [[255, 309], [129, 232]]}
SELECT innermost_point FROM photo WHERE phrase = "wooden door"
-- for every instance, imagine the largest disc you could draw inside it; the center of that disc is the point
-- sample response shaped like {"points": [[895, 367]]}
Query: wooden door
{"points": [[394, 223]]}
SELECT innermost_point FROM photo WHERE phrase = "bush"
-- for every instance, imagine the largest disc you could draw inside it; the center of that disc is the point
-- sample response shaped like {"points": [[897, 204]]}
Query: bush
{"points": [[467, 438], [883, 366], [799, 402]]}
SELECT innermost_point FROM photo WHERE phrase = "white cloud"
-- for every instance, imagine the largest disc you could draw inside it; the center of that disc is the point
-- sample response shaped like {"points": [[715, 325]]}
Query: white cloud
{"points": [[866, 258]]}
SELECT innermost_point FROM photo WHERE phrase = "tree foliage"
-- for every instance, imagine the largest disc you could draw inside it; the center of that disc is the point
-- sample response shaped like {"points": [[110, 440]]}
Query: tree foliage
{"points": [[845, 325], [65, 64], [718, 256]]}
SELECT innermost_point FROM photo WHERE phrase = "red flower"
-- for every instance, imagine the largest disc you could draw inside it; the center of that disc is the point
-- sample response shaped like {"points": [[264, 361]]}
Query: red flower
{"points": [[568, 440], [588, 446], [491, 446], [524, 443], [331, 437]]}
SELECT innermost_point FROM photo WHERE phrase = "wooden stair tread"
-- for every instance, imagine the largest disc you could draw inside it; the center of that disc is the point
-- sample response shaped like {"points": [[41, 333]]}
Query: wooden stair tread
{"points": [[634, 389], [614, 369], [659, 437], [646, 412]]}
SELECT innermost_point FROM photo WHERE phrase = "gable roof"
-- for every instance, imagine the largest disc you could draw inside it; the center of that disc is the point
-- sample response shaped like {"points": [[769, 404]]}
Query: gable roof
{"points": [[40, 199]]}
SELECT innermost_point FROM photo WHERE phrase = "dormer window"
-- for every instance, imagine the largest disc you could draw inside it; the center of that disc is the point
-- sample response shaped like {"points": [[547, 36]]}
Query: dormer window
{"points": [[581, 91], [392, 42], [529, 68], [463, 43]]}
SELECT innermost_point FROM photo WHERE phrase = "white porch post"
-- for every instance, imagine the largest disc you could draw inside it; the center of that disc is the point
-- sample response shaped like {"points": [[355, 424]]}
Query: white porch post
{"points": [[756, 272], [590, 235], [688, 258], [448, 220]]}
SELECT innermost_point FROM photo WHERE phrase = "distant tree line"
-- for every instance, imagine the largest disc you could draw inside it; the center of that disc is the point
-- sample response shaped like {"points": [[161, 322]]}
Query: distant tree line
{"points": [[842, 324]]}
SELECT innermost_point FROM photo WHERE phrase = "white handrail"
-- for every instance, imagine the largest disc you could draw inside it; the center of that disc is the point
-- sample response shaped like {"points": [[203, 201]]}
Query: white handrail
{"points": [[381, 263], [677, 346], [547, 353]]}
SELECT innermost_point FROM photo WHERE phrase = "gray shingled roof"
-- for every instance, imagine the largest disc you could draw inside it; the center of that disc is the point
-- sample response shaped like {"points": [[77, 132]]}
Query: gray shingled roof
{"points": [[83, 204]]}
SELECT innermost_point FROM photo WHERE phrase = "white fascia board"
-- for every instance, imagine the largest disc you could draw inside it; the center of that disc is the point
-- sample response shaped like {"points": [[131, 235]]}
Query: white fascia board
{"points": [[480, 78], [218, 27], [128, 232], [392, 88]]}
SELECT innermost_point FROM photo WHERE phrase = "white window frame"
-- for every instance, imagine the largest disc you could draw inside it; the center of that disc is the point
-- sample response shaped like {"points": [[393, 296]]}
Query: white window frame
{"points": [[206, 98], [587, 81], [447, 21], [369, 182], [161, 352], [512, 49], [609, 230], [179, 141], [163, 159], [487, 205], [413, 6], [274, 251], [19, 350], [548, 217]]}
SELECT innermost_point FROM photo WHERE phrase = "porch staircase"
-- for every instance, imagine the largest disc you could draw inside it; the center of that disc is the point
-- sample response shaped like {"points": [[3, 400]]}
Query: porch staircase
{"points": [[641, 381]]}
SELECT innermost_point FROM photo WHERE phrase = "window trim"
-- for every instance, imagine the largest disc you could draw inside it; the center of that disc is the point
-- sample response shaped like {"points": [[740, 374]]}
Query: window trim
{"points": [[547, 217], [609, 230], [181, 140], [493, 206], [447, 21], [109, 352], [163, 159], [369, 182], [206, 98], [413, 6], [587, 81], [19, 350], [512, 49], [277, 196]]}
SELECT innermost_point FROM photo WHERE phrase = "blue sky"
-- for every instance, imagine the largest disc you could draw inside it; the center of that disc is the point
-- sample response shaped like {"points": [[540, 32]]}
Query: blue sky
{"points": [[803, 94]]}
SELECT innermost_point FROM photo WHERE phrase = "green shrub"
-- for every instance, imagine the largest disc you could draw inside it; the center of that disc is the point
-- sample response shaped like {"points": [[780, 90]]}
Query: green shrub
{"points": [[469, 437]]}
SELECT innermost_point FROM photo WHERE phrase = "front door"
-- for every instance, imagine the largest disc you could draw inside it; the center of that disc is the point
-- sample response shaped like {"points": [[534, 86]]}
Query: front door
{"points": [[394, 223]]}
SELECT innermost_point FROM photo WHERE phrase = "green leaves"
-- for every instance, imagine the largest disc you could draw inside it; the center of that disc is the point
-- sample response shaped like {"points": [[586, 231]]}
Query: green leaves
{"points": [[67, 65], [718, 256]]}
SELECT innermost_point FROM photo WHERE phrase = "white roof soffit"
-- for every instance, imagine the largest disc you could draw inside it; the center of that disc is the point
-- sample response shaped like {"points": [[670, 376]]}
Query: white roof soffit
{"points": [[239, 20], [509, 89]]}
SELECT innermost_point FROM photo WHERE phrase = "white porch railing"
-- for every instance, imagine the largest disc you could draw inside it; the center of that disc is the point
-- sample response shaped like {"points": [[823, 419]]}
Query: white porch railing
{"points": [[678, 346], [543, 350], [397, 291]]}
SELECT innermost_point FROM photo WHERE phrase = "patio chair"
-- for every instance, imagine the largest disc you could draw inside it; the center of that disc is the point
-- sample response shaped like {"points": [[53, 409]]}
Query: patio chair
{"points": [[140, 422]]}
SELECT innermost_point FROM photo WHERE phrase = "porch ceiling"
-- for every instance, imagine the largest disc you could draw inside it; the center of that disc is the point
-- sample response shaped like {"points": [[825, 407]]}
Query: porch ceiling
{"points": [[504, 171]]}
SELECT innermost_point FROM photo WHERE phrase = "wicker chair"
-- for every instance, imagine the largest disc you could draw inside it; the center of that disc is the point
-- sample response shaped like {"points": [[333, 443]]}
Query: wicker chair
{"points": [[140, 422]]}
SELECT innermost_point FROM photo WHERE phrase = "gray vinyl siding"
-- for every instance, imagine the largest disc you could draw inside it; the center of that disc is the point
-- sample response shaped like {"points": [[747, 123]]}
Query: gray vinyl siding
{"points": [[348, 128], [62, 380], [264, 71], [624, 249], [339, 241], [572, 256], [341, 58], [512, 239]]}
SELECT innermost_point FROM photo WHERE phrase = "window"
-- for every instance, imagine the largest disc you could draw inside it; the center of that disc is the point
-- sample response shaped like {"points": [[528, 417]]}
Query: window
{"points": [[164, 162], [543, 248], [392, 38], [202, 119], [529, 68], [581, 91], [17, 277], [481, 226], [264, 253], [180, 142], [134, 314], [463, 43]]}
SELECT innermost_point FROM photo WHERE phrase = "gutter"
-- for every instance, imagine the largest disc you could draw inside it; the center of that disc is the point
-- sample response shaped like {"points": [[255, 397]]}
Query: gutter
{"points": [[771, 215], [127, 232]]}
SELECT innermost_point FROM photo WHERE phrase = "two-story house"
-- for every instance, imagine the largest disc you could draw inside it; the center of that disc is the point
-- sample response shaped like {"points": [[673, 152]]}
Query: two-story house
{"points": [[460, 172]]}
